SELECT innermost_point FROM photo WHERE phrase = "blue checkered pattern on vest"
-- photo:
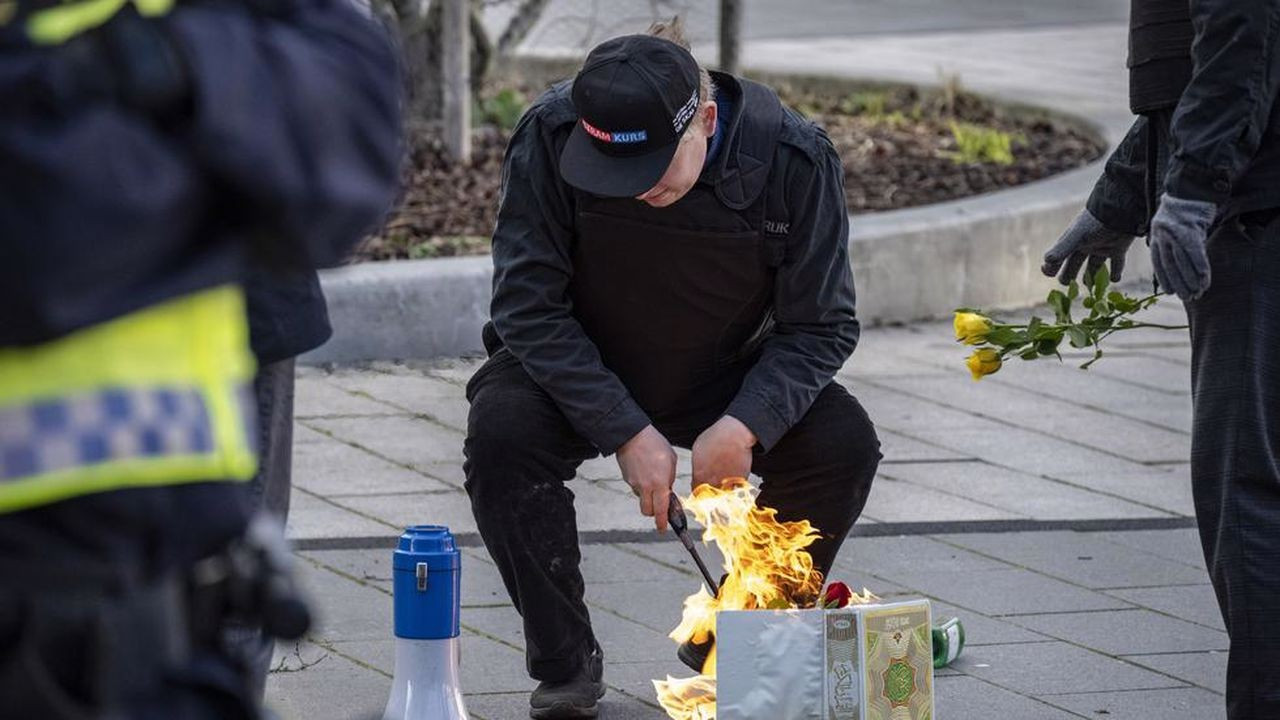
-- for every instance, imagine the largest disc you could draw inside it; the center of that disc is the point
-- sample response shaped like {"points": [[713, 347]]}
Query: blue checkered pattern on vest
{"points": [[92, 428]]}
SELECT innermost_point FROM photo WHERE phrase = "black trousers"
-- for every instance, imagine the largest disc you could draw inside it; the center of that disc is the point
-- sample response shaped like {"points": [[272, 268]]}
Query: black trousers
{"points": [[273, 393], [1235, 453], [521, 452], [83, 636]]}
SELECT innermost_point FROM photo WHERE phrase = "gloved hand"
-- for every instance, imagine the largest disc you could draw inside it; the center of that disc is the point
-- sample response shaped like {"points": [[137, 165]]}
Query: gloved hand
{"points": [[1086, 238], [1179, 232]]}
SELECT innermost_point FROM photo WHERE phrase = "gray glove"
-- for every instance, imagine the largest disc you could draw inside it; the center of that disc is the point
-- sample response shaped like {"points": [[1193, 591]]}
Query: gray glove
{"points": [[1086, 239], [1179, 232]]}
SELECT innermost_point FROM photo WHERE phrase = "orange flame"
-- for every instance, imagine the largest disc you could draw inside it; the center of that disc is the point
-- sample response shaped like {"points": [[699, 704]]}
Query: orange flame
{"points": [[766, 565]]}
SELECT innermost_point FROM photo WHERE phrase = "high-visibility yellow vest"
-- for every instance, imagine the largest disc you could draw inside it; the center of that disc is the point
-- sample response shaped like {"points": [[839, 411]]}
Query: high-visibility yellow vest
{"points": [[160, 396]]}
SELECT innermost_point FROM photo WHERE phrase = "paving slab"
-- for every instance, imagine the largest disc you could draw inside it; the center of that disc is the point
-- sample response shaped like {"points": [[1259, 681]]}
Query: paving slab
{"points": [[896, 501], [1180, 545], [333, 468], [344, 609], [897, 448], [1128, 632], [315, 396], [1080, 559], [607, 564], [404, 439], [964, 697], [1204, 669], [886, 556], [658, 605], [1028, 409], [311, 516], [1173, 704], [325, 685], [1166, 487], [399, 511], [1193, 603], [1147, 372], [1169, 409], [1018, 493], [1027, 451], [982, 630], [1042, 669], [1004, 591]]}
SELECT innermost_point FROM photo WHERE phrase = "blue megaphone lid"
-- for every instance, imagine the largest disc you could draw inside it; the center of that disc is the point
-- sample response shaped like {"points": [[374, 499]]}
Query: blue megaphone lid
{"points": [[432, 544], [426, 583]]}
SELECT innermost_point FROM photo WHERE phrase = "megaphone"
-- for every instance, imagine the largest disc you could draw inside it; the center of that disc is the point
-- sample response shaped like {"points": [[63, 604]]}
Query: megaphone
{"points": [[426, 596]]}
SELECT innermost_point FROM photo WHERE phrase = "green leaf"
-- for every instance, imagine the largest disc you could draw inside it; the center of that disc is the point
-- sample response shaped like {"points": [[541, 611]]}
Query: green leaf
{"points": [[1101, 280], [1029, 354], [778, 604], [1048, 346], [1087, 303], [1073, 290], [1121, 303], [1003, 336], [1061, 305], [1079, 336]]}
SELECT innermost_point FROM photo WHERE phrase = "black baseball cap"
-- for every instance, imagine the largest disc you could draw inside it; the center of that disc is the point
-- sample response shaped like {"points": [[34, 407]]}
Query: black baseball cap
{"points": [[635, 95]]}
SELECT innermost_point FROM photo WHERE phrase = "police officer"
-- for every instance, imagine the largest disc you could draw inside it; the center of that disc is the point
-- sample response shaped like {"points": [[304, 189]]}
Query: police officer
{"points": [[149, 156], [1199, 174], [671, 269]]}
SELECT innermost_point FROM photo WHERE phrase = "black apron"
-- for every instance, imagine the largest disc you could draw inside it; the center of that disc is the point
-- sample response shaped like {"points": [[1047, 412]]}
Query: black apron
{"points": [[1160, 65], [678, 299]]}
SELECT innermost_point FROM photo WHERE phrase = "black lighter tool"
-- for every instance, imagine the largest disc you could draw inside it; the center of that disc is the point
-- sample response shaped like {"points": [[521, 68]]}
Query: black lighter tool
{"points": [[679, 523]]}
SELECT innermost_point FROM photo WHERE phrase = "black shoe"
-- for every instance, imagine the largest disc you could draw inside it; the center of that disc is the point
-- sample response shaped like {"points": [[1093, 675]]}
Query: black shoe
{"points": [[695, 654], [571, 699]]}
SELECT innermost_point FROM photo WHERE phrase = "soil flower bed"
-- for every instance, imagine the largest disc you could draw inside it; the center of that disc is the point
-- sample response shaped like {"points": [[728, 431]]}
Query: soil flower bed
{"points": [[900, 147]]}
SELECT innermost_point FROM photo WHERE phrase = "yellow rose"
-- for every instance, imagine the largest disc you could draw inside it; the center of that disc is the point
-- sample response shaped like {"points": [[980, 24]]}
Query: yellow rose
{"points": [[983, 361], [972, 328]]}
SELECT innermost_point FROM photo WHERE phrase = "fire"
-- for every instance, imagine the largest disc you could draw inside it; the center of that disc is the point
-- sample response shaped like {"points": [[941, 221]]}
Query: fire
{"points": [[766, 566]]}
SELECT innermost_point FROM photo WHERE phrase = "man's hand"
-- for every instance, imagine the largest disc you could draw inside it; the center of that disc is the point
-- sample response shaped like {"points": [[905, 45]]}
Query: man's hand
{"points": [[1179, 233], [1086, 239], [648, 465], [722, 451]]}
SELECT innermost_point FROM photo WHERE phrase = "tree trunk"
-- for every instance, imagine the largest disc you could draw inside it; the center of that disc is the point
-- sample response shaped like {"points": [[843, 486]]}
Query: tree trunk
{"points": [[730, 35], [455, 36]]}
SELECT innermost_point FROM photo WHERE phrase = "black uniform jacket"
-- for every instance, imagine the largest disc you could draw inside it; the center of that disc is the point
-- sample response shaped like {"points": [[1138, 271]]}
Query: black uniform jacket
{"points": [[814, 328], [1225, 133], [288, 153]]}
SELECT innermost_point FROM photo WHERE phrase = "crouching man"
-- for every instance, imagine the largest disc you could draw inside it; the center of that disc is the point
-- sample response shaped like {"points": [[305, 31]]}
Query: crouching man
{"points": [[671, 269]]}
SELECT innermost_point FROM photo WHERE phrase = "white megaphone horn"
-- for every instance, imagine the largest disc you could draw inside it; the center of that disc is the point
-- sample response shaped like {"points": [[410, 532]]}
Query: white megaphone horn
{"points": [[427, 597]]}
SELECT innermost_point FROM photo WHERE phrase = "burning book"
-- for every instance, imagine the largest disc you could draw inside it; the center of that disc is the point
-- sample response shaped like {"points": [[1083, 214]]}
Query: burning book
{"points": [[779, 653], [867, 662]]}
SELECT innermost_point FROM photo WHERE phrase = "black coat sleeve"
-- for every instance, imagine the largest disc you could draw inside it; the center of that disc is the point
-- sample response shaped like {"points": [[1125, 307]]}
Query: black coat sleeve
{"points": [[532, 311], [1223, 114], [816, 326], [297, 117], [1119, 199]]}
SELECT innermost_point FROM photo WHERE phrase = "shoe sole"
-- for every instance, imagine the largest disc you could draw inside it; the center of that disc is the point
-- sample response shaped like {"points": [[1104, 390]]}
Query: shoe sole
{"points": [[692, 657], [567, 711]]}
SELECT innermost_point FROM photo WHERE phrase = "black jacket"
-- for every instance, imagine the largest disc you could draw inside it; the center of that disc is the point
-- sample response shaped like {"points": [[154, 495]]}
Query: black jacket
{"points": [[289, 149], [1224, 135], [815, 328]]}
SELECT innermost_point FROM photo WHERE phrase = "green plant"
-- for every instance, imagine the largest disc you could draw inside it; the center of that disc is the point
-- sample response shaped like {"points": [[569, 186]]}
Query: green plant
{"points": [[1110, 312], [872, 103], [976, 144], [503, 109]]}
